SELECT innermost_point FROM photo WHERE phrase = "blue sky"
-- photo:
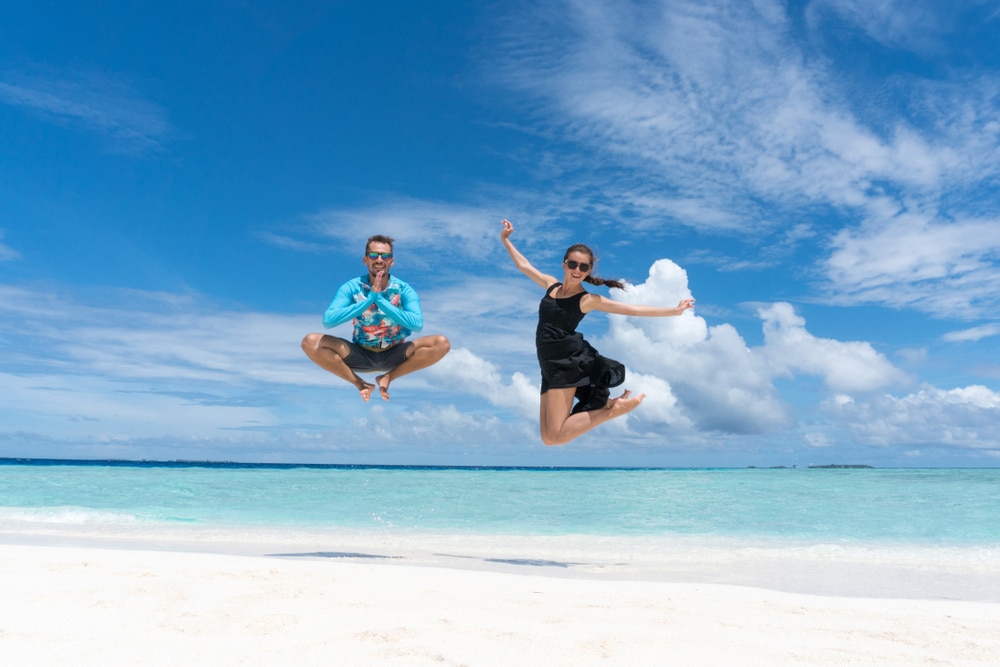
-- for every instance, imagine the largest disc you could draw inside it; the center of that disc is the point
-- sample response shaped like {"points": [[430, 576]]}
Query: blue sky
{"points": [[185, 185]]}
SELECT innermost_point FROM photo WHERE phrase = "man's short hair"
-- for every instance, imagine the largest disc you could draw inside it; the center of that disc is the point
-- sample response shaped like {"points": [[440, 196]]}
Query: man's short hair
{"points": [[379, 238]]}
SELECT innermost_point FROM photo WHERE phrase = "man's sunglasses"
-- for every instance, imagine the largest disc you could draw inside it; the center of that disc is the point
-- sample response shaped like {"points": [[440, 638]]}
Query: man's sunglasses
{"points": [[376, 255], [573, 264]]}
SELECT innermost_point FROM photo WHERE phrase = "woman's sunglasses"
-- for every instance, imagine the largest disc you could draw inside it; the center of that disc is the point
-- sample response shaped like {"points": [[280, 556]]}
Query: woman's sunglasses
{"points": [[572, 264], [376, 255]]}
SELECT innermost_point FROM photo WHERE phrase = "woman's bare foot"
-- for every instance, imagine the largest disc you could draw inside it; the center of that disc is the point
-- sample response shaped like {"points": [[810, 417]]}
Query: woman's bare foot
{"points": [[383, 385], [624, 403]]}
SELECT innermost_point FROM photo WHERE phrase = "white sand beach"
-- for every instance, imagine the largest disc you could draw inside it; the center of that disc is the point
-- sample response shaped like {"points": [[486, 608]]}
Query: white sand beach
{"points": [[83, 605]]}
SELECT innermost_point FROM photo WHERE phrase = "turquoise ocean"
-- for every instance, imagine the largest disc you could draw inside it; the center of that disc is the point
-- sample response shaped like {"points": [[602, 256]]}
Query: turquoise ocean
{"points": [[925, 506], [729, 525]]}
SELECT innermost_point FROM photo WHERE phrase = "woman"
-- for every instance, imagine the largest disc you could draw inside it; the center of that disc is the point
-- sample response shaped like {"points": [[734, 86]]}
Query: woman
{"points": [[571, 368]]}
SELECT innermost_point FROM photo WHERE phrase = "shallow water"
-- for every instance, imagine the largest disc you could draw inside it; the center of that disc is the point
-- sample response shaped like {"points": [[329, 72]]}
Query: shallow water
{"points": [[916, 506]]}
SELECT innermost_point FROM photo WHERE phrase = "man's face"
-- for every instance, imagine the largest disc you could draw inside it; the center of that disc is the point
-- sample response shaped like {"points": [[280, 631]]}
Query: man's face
{"points": [[383, 259]]}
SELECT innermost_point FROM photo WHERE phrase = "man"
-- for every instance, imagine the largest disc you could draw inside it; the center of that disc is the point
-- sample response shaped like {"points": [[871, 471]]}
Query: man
{"points": [[385, 311]]}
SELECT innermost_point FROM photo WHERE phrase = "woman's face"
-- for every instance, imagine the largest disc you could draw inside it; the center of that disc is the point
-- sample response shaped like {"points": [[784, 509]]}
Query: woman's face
{"points": [[577, 266]]}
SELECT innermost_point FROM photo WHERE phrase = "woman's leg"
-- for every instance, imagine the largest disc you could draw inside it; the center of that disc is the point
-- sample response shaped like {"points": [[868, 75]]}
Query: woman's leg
{"points": [[558, 426]]}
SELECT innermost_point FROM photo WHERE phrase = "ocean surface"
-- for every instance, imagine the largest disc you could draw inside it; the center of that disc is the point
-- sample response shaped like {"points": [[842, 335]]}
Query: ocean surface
{"points": [[729, 525], [924, 506]]}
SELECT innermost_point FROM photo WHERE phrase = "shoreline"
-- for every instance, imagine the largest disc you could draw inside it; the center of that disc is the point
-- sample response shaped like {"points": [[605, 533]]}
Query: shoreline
{"points": [[889, 571], [68, 604]]}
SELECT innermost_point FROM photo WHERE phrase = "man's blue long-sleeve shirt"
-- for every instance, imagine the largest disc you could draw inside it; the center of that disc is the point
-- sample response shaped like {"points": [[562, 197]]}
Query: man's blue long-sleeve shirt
{"points": [[381, 319]]}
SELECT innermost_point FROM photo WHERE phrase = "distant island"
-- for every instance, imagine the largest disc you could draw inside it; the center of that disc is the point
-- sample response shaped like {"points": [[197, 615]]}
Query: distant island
{"points": [[827, 466], [844, 465]]}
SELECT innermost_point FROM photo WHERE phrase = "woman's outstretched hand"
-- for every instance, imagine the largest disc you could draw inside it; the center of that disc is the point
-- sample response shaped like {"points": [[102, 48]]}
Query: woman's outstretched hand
{"points": [[685, 304], [507, 230]]}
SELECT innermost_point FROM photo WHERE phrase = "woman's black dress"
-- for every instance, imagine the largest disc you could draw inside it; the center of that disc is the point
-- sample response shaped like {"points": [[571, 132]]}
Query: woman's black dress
{"points": [[567, 360]]}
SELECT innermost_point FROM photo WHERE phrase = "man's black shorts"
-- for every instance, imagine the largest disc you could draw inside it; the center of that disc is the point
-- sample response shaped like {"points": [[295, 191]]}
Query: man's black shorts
{"points": [[367, 360]]}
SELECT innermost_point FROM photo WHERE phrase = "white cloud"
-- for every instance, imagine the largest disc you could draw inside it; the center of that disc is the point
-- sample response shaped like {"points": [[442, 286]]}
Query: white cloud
{"points": [[915, 260], [724, 118], [417, 224], [912, 25], [436, 425], [452, 239], [965, 417], [660, 405], [665, 285], [714, 104], [819, 440], [86, 407], [720, 384], [846, 367], [462, 371], [972, 334], [92, 100]]}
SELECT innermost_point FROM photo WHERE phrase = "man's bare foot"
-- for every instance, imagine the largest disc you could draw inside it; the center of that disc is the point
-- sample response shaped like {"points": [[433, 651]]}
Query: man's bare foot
{"points": [[365, 389], [383, 385], [625, 403]]}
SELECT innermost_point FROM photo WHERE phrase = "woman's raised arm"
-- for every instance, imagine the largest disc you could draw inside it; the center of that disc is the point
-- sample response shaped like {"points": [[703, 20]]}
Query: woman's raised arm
{"points": [[521, 262]]}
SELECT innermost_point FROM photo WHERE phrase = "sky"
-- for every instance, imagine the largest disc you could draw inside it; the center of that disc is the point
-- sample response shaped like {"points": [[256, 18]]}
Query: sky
{"points": [[185, 185]]}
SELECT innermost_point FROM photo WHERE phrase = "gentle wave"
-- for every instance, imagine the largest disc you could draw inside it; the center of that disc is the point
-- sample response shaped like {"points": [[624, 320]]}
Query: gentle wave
{"points": [[66, 515]]}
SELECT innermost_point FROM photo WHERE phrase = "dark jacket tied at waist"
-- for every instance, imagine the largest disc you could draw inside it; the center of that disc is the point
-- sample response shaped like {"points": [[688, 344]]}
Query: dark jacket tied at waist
{"points": [[567, 360]]}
